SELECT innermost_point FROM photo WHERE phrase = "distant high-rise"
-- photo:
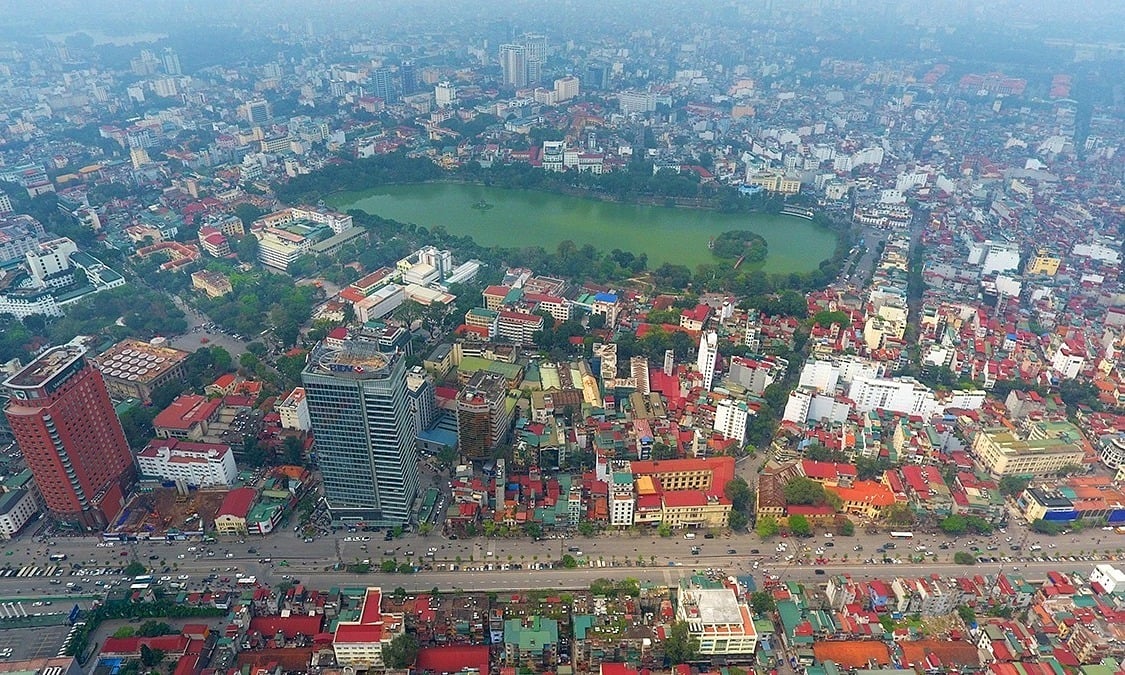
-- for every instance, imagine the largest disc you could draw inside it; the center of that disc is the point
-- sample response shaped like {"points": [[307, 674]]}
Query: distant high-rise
{"points": [[535, 49], [64, 422], [513, 63], [171, 61], [408, 76], [366, 442], [445, 94], [256, 112], [566, 88], [597, 76], [382, 84]]}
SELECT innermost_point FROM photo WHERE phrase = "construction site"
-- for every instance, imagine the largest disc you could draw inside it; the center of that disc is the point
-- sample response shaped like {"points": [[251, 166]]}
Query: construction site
{"points": [[166, 513]]}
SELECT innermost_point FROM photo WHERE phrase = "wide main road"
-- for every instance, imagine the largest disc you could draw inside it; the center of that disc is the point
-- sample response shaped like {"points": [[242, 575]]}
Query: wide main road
{"points": [[571, 579]]}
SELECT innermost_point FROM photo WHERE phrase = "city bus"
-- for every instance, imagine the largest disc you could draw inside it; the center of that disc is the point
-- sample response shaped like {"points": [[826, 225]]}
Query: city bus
{"points": [[902, 535], [142, 579]]}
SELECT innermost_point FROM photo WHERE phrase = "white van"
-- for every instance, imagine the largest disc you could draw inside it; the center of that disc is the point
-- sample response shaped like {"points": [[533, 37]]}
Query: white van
{"points": [[689, 535]]}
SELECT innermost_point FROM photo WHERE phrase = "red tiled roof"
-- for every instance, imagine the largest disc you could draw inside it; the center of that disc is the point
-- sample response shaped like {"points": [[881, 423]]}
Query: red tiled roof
{"points": [[186, 411], [371, 612], [237, 503], [290, 626], [355, 632], [452, 659], [681, 498]]}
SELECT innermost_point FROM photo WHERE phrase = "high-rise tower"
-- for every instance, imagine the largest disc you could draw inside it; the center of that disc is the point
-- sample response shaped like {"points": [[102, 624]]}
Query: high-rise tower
{"points": [[708, 355], [535, 49], [408, 74], [513, 63], [366, 441], [383, 85], [171, 61], [68, 432], [484, 418]]}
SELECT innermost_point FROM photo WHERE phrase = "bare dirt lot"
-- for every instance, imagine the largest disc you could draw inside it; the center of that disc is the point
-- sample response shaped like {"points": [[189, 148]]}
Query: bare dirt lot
{"points": [[164, 509]]}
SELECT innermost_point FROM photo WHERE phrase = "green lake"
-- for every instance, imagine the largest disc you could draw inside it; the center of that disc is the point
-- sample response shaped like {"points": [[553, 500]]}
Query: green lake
{"points": [[519, 218]]}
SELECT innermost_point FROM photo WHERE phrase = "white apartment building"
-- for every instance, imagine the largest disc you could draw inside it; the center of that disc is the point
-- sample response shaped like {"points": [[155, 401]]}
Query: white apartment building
{"points": [[294, 411], [707, 357], [902, 395], [730, 419], [1067, 361], [445, 94], [16, 508], [621, 509], [277, 248], [52, 258], [718, 622], [806, 404], [1108, 577], [822, 376], [199, 464]]}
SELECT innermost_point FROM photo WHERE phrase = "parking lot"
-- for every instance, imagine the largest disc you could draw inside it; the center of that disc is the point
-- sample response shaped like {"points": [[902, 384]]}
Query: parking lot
{"points": [[33, 643]]}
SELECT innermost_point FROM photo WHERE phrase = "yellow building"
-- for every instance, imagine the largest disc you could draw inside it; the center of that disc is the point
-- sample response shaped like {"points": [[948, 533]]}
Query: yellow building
{"points": [[1043, 262], [231, 516], [1039, 450], [709, 475], [214, 284], [694, 508], [779, 183]]}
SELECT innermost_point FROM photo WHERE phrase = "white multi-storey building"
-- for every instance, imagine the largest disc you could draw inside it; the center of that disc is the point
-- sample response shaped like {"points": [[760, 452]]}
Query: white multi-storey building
{"points": [[902, 395], [294, 411], [718, 622], [1108, 577], [820, 375], [622, 500], [199, 464], [16, 508], [708, 355], [730, 419], [277, 248]]}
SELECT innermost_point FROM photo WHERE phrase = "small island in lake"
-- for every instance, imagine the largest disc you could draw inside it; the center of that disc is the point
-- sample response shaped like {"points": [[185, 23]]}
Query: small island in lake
{"points": [[482, 205], [740, 246]]}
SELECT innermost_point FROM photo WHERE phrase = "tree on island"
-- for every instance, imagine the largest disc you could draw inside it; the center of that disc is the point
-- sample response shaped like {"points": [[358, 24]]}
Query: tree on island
{"points": [[735, 244]]}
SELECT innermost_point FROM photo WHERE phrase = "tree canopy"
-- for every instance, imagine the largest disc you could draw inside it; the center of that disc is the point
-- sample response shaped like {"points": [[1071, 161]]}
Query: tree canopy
{"points": [[803, 490]]}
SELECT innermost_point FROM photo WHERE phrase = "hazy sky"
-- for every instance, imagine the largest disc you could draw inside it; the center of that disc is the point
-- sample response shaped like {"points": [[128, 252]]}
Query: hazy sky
{"points": [[1064, 17]]}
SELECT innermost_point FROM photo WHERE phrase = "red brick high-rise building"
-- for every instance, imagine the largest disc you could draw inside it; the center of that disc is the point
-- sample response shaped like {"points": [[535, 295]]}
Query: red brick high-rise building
{"points": [[68, 432]]}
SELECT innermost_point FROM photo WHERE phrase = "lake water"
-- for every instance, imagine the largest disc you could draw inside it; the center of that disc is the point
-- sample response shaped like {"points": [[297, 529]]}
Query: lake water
{"points": [[531, 218]]}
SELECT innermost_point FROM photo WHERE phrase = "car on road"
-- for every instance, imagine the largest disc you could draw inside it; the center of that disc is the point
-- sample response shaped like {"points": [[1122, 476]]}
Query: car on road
{"points": [[818, 572], [731, 551]]}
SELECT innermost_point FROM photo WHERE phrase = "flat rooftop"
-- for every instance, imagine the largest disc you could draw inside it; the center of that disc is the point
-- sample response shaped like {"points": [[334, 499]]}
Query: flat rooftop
{"points": [[42, 369], [354, 360], [137, 361]]}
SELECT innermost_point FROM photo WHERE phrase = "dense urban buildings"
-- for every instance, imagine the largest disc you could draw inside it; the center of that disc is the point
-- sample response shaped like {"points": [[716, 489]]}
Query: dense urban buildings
{"points": [[66, 427], [806, 315]]}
